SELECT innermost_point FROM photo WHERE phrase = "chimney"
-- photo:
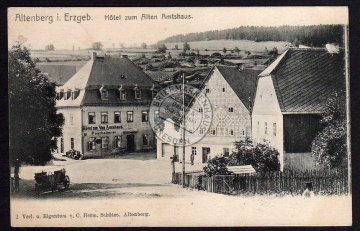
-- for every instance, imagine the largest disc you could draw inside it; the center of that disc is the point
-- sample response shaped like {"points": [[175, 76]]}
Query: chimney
{"points": [[93, 57], [332, 48]]}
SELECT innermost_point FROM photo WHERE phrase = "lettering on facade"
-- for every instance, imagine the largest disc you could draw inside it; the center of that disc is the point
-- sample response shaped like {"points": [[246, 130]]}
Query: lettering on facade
{"points": [[102, 127]]}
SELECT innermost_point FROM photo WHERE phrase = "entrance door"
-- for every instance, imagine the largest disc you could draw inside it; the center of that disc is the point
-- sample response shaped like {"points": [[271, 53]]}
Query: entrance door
{"points": [[130, 143], [205, 152]]}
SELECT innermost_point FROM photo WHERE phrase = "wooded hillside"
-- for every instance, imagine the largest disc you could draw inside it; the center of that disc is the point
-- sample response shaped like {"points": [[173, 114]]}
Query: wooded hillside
{"points": [[317, 35]]}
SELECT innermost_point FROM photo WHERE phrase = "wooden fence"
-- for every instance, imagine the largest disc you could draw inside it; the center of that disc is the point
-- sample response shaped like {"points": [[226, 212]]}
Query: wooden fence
{"points": [[324, 182]]}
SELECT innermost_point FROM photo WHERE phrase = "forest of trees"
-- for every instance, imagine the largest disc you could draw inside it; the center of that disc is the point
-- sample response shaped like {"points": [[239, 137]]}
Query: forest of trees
{"points": [[317, 35]]}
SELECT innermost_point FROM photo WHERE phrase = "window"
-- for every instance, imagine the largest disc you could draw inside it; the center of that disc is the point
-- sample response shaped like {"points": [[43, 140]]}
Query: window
{"points": [[72, 144], [117, 142], [223, 90], [91, 117], [226, 151], [207, 90], [104, 117], [76, 93], [266, 128], [62, 145], [122, 95], [274, 129], [200, 109], [156, 114], [61, 94], [193, 150], [105, 142], [231, 132], [67, 95], [242, 132], [154, 93], [71, 119], [130, 116], [144, 116], [92, 143], [104, 93], [117, 117], [258, 128], [137, 94], [145, 139], [201, 131], [231, 109], [212, 131]]}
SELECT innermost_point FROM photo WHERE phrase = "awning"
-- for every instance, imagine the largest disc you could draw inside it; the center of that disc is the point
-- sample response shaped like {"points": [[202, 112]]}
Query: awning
{"points": [[241, 169]]}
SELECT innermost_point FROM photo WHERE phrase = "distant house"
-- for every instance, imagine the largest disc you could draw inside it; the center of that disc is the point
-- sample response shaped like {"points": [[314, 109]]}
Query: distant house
{"points": [[105, 105], [231, 94], [290, 98]]}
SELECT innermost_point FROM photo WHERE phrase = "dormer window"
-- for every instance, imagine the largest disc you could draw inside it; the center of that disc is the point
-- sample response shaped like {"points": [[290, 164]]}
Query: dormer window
{"points": [[75, 93], [137, 93], [104, 93], [153, 91], [122, 93], [61, 94], [67, 94]]}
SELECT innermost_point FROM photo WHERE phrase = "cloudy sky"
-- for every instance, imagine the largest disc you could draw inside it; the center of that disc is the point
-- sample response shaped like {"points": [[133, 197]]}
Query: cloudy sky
{"points": [[53, 26]]}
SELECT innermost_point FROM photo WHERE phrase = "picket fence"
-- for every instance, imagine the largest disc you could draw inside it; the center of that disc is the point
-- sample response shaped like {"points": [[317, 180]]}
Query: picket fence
{"points": [[326, 182]]}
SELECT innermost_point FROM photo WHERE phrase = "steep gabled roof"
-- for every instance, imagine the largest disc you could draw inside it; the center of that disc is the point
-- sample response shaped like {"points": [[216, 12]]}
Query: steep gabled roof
{"points": [[304, 78], [243, 83]]}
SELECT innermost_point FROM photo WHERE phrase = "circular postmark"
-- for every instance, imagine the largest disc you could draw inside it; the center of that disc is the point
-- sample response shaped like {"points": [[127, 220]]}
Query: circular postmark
{"points": [[167, 115]]}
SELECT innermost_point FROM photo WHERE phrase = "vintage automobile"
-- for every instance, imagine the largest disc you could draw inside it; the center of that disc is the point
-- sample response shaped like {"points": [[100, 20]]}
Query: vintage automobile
{"points": [[52, 180]]}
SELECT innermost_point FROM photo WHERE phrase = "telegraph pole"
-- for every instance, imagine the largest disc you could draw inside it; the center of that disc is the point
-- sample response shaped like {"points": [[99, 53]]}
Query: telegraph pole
{"points": [[183, 134]]}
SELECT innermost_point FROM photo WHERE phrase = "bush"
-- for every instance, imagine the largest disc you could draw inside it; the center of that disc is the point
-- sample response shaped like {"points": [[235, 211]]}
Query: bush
{"points": [[261, 156], [217, 166]]}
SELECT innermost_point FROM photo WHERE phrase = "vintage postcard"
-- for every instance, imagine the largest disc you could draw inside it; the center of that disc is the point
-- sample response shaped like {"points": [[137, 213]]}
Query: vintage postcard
{"points": [[172, 117]]}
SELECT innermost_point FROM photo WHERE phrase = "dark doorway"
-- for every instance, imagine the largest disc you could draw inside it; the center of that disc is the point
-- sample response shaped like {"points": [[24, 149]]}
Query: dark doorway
{"points": [[130, 143], [205, 152]]}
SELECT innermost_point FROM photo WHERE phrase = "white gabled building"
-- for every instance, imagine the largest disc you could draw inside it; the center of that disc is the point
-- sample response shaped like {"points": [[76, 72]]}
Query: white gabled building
{"points": [[231, 93], [290, 98]]}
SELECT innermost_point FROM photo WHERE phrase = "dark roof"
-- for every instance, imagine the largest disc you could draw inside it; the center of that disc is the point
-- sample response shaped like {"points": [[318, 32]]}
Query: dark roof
{"points": [[304, 78], [108, 72], [58, 74], [243, 83]]}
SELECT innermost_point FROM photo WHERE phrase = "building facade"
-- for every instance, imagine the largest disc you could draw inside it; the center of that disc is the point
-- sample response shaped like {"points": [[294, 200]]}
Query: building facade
{"points": [[231, 93], [105, 105], [290, 98]]}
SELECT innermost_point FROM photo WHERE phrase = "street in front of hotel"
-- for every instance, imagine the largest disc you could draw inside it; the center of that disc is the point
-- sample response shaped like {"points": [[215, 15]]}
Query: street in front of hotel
{"points": [[136, 191]]}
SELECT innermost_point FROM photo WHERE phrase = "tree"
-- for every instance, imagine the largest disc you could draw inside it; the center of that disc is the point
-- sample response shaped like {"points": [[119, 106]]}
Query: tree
{"points": [[143, 45], [329, 146], [261, 156], [97, 45], [50, 47], [34, 122], [224, 50], [274, 52], [186, 47], [176, 47], [162, 48], [237, 50]]}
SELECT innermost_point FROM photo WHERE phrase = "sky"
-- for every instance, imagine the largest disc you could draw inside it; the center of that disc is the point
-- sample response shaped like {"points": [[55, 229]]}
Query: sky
{"points": [[80, 27]]}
